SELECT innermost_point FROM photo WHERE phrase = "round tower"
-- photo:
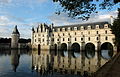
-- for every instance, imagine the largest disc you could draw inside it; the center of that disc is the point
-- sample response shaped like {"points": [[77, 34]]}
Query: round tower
{"points": [[15, 38]]}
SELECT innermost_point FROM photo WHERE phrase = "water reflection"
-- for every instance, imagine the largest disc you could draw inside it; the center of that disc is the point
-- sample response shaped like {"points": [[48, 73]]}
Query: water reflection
{"points": [[107, 54], [82, 64], [15, 55], [20, 63], [16, 63]]}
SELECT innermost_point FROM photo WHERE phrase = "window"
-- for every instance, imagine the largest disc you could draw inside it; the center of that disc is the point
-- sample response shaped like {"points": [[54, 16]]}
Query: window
{"points": [[89, 38], [81, 39], [35, 40], [39, 39], [97, 38], [60, 29], [75, 28], [63, 39], [97, 26], [106, 26], [106, 32], [75, 39], [69, 28], [75, 33], [57, 39], [63, 34], [97, 32], [69, 34], [52, 39], [106, 38], [68, 39], [43, 40], [65, 29]]}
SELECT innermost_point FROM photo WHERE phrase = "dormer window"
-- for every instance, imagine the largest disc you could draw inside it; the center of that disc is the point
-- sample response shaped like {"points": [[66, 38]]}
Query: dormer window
{"points": [[106, 26], [69, 28], [75, 28], [89, 27], [82, 28], [97, 26], [63, 29]]}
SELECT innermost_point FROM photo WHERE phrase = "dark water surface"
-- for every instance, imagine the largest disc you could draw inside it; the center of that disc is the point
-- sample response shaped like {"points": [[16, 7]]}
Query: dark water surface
{"points": [[9, 60], [23, 63]]}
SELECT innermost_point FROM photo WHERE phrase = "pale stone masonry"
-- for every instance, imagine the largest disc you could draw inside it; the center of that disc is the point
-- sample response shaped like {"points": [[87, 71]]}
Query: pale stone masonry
{"points": [[46, 36], [15, 38]]}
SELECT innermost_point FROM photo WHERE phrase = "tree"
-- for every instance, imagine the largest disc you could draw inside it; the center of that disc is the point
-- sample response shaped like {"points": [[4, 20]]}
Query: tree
{"points": [[116, 30], [82, 9]]}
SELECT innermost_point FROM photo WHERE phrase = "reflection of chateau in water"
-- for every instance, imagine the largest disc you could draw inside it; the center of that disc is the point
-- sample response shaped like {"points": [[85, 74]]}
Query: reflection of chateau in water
{"points": [[46, 62]]}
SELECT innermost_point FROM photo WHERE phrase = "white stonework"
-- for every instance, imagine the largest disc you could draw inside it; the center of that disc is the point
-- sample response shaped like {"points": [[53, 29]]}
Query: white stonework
{"points": [[15, 38], [46, 36]]}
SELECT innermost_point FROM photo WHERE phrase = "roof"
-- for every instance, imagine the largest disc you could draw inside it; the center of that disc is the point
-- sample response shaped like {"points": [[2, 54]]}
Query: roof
{"points": [[101, 25], [15, 31]]}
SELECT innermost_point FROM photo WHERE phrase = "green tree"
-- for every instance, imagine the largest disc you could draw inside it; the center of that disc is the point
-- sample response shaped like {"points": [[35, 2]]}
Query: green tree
{"points": [[116, 30], [82, 9]]}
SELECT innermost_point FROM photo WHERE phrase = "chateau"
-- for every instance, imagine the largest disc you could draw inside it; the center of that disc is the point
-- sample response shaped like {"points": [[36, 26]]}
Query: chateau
{"points": [[72, 49], [77, 36]]}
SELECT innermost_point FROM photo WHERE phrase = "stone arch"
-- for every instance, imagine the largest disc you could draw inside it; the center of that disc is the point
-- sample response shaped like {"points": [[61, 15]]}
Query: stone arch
{"points": [[89, 50], [39, 49], [75, 50], [106, 50], [64, 51]]}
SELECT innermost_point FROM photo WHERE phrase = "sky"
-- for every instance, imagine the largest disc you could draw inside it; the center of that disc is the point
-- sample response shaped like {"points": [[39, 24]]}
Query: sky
{"points": [[28, 13]]}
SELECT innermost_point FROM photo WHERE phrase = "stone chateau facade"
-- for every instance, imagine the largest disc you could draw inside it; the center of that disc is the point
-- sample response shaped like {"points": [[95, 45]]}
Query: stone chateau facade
{"points": [[49, 36]]}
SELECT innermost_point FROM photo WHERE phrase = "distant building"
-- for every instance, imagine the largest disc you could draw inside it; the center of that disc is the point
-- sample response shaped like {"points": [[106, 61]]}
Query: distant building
{"points": [[15, 42], [15, 38]]}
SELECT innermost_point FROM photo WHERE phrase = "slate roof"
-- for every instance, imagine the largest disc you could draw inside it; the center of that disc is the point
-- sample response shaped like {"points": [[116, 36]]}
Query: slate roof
{"points": [[15, 31], [101, 25]]}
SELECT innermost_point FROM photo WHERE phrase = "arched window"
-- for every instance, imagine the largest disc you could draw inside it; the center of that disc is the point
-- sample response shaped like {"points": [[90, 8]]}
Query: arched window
{"points": [[75, 39], [106, 32], [97, 38], [97, 32], [88, 38], [106, 38]]}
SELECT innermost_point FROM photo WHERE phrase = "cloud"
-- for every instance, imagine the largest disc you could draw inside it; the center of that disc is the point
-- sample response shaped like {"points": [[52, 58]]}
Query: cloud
{"points": [[63, 18]]}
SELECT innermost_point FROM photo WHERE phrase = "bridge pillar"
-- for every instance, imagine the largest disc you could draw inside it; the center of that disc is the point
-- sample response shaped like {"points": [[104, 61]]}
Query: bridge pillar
{"points": [[98, 54], [82, 46], [69, 49], [58, 48]]}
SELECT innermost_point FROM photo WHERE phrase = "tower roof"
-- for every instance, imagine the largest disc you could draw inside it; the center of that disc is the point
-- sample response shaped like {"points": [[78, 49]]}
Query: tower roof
{"points": [[15, 31]]}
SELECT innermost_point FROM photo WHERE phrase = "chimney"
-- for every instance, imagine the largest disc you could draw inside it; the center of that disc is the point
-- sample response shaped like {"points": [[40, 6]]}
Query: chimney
{"points": [[111, 20]]}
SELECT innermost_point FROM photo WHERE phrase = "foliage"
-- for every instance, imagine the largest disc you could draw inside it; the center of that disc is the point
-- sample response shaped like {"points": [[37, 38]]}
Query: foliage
{"points": [[116, 29], [82, 9]]}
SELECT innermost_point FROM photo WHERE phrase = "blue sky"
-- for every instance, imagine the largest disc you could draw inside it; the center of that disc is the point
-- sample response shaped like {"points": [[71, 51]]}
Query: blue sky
{"points": [[28, 13]]}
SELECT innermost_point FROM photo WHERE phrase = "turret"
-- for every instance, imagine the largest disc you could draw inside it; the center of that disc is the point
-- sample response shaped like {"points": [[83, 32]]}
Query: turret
{"points": [[15, 38]]}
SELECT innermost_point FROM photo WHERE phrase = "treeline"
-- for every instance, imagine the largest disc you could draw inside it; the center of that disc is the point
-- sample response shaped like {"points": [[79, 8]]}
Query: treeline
{"points": [[5, 40], [8, 40]]}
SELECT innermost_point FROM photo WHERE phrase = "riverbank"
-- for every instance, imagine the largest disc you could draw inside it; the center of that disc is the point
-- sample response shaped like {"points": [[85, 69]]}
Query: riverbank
{"points": [[110, 69]]}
